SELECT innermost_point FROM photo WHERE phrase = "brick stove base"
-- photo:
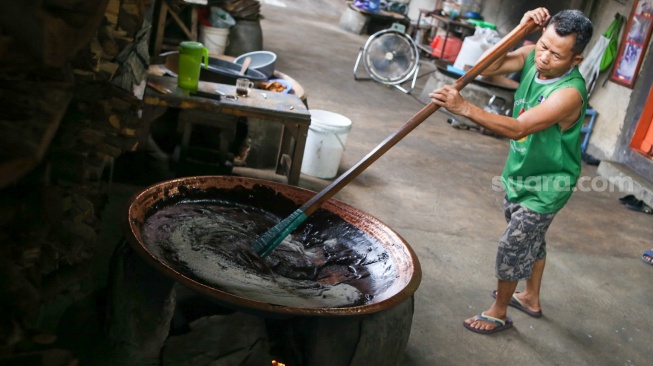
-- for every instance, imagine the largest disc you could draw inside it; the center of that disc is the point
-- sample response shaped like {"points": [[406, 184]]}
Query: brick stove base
{"points": [[154, 320]]}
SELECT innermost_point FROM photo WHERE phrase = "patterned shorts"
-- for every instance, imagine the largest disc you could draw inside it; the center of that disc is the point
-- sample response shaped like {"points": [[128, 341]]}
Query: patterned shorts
{"points": [[523, 241]]}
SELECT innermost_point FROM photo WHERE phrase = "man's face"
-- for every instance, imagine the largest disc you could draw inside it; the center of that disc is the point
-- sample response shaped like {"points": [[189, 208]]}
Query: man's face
{"points": [[553, 54]]}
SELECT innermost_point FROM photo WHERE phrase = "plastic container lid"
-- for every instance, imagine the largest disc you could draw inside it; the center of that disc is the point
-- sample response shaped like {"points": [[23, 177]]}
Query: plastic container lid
{"points": [[191, 47]]}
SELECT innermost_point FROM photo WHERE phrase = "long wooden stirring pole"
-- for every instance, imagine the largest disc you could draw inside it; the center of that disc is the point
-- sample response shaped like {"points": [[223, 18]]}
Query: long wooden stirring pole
{"points": [[267, 242]]}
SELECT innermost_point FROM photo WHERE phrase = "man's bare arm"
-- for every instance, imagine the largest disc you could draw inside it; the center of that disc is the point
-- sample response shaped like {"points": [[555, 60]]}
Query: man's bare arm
{"points": [[562, 106]]}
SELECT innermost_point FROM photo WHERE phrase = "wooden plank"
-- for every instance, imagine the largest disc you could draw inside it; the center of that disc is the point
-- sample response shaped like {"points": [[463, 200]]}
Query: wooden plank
{"points": [[181, 24], [160, 26]]}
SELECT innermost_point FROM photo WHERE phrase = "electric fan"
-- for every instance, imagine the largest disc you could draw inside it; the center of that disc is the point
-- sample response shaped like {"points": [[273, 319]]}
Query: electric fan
{"points": [[391, 58]]}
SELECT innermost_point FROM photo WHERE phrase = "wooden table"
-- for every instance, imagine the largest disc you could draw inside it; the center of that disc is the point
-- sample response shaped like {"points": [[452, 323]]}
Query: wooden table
{"points": [[287, 109]]}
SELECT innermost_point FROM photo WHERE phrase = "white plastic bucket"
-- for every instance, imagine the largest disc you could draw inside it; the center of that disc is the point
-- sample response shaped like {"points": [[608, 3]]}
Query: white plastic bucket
{"points": [[325, 143], [215, 39]]}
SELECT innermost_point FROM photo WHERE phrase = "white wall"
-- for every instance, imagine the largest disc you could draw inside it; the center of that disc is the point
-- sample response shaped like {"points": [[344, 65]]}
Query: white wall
{"points": [[611, 103]]}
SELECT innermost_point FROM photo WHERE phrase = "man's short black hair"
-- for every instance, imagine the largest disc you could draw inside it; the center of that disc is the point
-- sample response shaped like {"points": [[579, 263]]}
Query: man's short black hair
{"points": [[575, 22]]}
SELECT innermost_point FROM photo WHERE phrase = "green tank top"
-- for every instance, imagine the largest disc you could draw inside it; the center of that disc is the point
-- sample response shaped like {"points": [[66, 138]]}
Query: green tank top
{"points": [[542, 169]]}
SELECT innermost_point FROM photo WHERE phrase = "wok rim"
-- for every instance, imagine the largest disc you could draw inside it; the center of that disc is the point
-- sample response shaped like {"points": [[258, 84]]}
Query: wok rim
{"points": [[237, 302]]}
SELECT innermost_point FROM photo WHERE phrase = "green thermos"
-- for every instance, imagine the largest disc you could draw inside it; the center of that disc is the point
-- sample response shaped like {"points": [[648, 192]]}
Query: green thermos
{"points": [[190, 62]]}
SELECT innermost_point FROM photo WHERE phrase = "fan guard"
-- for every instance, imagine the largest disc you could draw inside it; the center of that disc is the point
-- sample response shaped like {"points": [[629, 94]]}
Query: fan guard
{"points": [[390, 57]]}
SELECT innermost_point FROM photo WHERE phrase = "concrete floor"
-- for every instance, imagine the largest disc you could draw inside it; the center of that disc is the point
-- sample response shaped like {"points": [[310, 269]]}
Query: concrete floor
{"points": [[435, 188]]}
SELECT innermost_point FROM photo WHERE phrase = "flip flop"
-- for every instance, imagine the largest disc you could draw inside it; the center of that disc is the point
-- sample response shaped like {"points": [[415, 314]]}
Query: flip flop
{"points": [[648, 253], [515, 303], [628, 199], [500, 324]]}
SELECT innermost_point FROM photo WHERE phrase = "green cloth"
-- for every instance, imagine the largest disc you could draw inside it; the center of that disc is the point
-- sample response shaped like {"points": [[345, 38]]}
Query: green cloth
{"points": [[611, 52], [542, 169]]}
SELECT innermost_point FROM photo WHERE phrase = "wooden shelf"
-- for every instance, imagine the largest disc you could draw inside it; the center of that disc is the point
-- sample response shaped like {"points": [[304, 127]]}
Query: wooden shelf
{"points": [[164, 16]]}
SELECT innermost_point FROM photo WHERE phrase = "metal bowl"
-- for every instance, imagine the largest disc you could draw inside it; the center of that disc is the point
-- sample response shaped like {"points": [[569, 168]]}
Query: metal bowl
{"points": [[262, 61], [387, 290]]}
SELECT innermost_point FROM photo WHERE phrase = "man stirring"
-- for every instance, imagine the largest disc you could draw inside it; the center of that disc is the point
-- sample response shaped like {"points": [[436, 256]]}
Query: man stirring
{"points": [[543, 164]]}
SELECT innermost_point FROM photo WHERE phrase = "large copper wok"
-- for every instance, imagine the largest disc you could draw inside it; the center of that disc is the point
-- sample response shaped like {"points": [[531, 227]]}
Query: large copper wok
{"points": [[393, 292]]}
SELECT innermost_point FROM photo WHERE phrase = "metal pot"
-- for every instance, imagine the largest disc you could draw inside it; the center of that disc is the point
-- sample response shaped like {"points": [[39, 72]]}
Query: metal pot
{"points": [[281, 200]]}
